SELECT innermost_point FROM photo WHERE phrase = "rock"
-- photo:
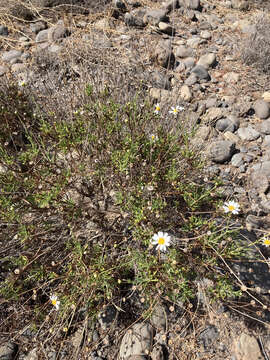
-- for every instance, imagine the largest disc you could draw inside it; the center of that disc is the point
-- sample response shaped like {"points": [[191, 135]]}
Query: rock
{"points": [[202, 134], [57, 32], [42, 36], [10, 55], [157, 353], [3, 30], [37, 27], [107, 317], [221, 151], [166, 28], [230, 123], [262, 109], [194, 42], [205, 34], [208, 336], [264, 127], [163, 54], [77, 337], [266, 96], [213, 114], [159, 317], [155, 16], [185, 93], [248, 133], [265, 206], [201, 72], [183, 52], [137, 341], [18, 68], [237, 160], [207, 60], [191, 80], [8, 351], [260, 181], [231, 77], [189, 62], [246, 347], [159, 94], [131, 20]]}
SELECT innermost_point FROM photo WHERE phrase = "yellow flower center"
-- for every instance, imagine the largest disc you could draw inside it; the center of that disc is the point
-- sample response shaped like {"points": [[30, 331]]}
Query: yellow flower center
{"points": [[161, 241], [231, 207], [54, 302], [266, 242], [175, 111], [153, 137], [157, 108]]}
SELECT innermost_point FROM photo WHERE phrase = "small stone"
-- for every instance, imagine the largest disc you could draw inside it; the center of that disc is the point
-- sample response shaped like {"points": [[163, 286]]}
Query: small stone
{"points": [[8, 351], [189, 62], [208, 336], [260, 182], [213, 114], [237, 160], [32, 355], [205, 34], [137, 341], [264, 127], [183, 52], [3, 30], [185, 93], [201, 72], [166, 28], [266, 96], [42, 36], [207, 60], [262, 109], [195, 41], [57, 32], [191, 80], [8, 56], [265, 206], [221, 151], [158, 318], [246, 347], [37, 27], [224, 125], [248, 133]]}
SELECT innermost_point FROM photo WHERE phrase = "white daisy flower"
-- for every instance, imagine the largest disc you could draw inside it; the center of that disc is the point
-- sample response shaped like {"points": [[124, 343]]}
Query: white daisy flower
{"points": [[176, 110], [266, 241], [157, 109], [231, 207], [22, 83], [153, 137], [55, 302], [162, 240]]}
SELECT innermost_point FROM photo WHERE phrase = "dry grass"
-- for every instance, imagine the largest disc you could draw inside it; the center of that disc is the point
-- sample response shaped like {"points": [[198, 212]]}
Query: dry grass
{"points": [[256, 49]]}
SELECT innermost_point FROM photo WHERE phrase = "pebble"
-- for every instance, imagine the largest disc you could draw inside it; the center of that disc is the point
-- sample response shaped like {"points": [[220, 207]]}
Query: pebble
{"points": [[262, 109], [248, 133], [201, 72], [137, 341], [8, 350], [246, 347], [10, 55], [221, 151], [207, 60], [185, 93]]}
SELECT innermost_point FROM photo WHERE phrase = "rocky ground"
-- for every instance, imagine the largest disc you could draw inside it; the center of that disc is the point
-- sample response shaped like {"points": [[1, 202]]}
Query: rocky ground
{"points": [[185, 52]]}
